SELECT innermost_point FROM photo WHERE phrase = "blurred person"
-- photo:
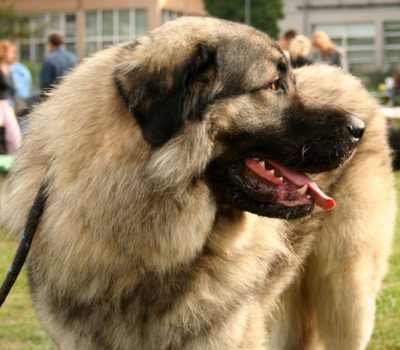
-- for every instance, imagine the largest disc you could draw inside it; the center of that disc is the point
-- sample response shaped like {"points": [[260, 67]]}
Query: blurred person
{"points": [[285, 40], [394, 92], [58, 62], [299, 50], [10, 133], [331, 53], [20, 74]]}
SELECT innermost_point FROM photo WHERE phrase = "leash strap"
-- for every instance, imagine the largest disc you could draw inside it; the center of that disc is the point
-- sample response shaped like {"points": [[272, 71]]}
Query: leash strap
{"points": [[25, 244]]}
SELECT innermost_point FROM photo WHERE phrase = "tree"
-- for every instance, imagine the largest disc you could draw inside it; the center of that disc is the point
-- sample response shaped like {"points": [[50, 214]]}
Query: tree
{"points": [[12, 26], [264, 14]]}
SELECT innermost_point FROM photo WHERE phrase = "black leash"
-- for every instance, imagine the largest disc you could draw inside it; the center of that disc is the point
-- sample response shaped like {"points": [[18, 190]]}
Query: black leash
{"points": [[23, 249]]}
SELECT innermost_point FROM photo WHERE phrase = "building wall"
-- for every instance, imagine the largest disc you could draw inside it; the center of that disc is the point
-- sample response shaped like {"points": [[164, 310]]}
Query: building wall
{"points": [[154, 7], [375, 16], [157, 12], [192, 7]]}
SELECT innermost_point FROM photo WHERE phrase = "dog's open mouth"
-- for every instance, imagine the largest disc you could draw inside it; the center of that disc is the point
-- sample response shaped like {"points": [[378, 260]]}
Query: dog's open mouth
{"points": [[268, 182]]}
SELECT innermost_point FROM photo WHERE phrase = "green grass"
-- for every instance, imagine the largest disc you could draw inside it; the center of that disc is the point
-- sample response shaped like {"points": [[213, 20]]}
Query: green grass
{"points": [[20, 328], [387, 325]]}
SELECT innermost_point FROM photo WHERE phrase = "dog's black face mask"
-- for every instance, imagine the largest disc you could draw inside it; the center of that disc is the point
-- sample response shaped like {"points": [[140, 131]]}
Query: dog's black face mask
{"points": [[263, 172]]}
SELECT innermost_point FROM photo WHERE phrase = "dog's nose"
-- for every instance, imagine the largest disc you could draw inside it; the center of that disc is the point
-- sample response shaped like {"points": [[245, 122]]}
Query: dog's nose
{"points": [[355, 127]]}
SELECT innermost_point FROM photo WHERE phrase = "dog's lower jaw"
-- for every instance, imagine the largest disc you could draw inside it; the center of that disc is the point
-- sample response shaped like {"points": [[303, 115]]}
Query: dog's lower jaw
{"points": [[273, 210]]}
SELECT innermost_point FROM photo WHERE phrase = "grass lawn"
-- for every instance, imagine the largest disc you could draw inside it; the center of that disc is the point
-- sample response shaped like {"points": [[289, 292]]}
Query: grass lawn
{"points": [[387, 325], [21, 330]]}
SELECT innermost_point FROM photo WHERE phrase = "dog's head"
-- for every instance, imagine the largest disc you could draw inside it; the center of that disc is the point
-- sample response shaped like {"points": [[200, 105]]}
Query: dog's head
{"points": [[226, 95]]}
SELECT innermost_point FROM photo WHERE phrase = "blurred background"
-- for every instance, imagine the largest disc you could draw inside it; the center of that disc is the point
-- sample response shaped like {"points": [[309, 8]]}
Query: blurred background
{"points": [[368, 30]]}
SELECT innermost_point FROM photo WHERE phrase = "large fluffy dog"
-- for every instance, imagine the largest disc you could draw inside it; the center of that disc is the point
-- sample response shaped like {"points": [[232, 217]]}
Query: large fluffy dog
{"points": [[158, 153]]}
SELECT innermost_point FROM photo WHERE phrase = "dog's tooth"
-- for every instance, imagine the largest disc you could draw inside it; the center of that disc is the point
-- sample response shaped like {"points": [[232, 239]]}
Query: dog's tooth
{"points": [[308, 196], [272, 171], [302, 190], [281, 178], [256, 159], [262, 163]]}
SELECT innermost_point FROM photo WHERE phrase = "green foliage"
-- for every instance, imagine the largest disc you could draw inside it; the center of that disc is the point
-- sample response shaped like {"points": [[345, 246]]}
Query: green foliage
{"points": [[35, 68], [264, 14], [372, 79], [12, 26]]}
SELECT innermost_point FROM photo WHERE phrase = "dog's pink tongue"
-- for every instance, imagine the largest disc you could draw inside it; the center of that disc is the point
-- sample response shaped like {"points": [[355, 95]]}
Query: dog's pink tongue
{"points": [[319, 197]]}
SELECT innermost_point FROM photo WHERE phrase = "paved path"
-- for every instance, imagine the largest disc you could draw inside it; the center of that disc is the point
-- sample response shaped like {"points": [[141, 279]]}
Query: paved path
{"points": [[391, 112]]}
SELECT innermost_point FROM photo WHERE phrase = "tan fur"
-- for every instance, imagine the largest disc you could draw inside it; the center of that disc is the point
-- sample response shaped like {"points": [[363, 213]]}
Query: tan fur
{"points": [[134, 249], [331, 304]]}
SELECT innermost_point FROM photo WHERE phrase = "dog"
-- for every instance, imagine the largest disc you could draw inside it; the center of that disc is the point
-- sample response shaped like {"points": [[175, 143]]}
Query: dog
{"points": [[178, 206], [331, 302]]}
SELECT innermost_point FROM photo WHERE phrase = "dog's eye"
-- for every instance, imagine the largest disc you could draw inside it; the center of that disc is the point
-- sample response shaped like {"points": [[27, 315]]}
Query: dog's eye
{"points": [[273, 85]]}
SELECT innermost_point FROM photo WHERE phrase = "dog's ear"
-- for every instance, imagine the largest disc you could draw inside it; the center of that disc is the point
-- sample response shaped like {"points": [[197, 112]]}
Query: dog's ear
{"points": [[161, 98]]}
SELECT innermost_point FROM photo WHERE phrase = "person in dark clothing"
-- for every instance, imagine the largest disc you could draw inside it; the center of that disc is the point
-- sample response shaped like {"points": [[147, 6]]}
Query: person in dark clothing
{"points": [[10, 133], [299, 50], [6, 83], [57, 63]]}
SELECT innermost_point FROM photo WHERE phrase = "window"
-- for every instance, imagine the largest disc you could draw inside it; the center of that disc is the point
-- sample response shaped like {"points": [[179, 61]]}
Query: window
{"points": [[71, 47], [356, 39], [39, 25], [24, 51], [40, 52], [105, 44], [392, 42], [55, 21], [169, 15], [90, 47], [140, 22], [91, 23], [124, 22], [107, 23], [24, 25], [105, 28], [70, 27], [35, 48]]}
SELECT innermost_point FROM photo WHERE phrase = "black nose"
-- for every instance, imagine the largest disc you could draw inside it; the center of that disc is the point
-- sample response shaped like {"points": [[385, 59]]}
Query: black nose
{"points": [[355, 127]]}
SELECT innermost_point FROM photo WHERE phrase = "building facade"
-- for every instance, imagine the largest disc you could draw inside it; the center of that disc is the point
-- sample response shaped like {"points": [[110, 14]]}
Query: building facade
{"points": [[369, 30], [91, 25]]}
